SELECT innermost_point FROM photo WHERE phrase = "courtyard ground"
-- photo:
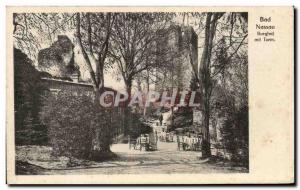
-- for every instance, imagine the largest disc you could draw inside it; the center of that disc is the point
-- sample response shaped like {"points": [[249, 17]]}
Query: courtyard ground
{"points": [[167, 159]]}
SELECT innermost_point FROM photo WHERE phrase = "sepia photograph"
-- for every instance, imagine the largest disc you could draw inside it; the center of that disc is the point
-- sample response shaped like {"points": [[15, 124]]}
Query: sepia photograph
{"points": [[111, 93], [150, 95]]}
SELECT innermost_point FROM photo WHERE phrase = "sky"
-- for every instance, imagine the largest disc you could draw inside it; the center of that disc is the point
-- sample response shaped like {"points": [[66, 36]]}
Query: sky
{"points": [[111, 75]]}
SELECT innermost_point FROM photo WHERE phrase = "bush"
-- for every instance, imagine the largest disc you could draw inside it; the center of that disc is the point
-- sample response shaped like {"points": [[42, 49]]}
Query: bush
{"points": [[235, 135], [28, 88], [77, 126], [137, 126]]}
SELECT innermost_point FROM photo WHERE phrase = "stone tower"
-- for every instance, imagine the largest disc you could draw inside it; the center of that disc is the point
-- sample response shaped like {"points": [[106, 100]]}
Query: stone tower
{"points": [[177, 53]]}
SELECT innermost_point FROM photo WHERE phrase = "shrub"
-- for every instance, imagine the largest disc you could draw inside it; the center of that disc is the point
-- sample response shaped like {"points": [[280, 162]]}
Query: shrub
{"points": [[77, 126], [137, 126], [235, 135]]}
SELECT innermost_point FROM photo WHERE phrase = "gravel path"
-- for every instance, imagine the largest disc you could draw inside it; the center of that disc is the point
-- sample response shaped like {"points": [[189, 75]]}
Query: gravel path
{"points": [[165, 160]]}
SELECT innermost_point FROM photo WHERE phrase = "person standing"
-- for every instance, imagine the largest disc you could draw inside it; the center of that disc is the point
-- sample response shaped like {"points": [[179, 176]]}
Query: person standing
{"points": [[160, 119]]}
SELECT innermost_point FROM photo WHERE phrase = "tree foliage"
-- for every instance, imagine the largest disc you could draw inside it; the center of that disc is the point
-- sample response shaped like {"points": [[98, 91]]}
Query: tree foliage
{"points": [[223, 65], [31, 30], [93, 32], [134, 42]]}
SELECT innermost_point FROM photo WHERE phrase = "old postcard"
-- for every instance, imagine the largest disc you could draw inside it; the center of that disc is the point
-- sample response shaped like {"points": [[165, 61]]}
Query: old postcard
{"points": [[150, 95]]}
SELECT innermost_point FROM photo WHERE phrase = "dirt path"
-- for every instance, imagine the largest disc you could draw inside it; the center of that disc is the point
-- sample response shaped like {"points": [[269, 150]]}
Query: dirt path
{"points": [[165, 160]]}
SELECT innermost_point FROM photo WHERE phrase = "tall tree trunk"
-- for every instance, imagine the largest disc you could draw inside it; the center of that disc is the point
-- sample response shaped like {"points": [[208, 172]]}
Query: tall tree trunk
{"points": [[139, 86], [98, 84], [206, 85], [84, 53], [127, 111], [148, 89]]}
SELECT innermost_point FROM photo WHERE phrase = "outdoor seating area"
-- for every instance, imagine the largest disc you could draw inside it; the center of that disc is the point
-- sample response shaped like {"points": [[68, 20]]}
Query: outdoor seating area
{"points": [[167, 137], [189, 139], [186, 143], [145, 142]]}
